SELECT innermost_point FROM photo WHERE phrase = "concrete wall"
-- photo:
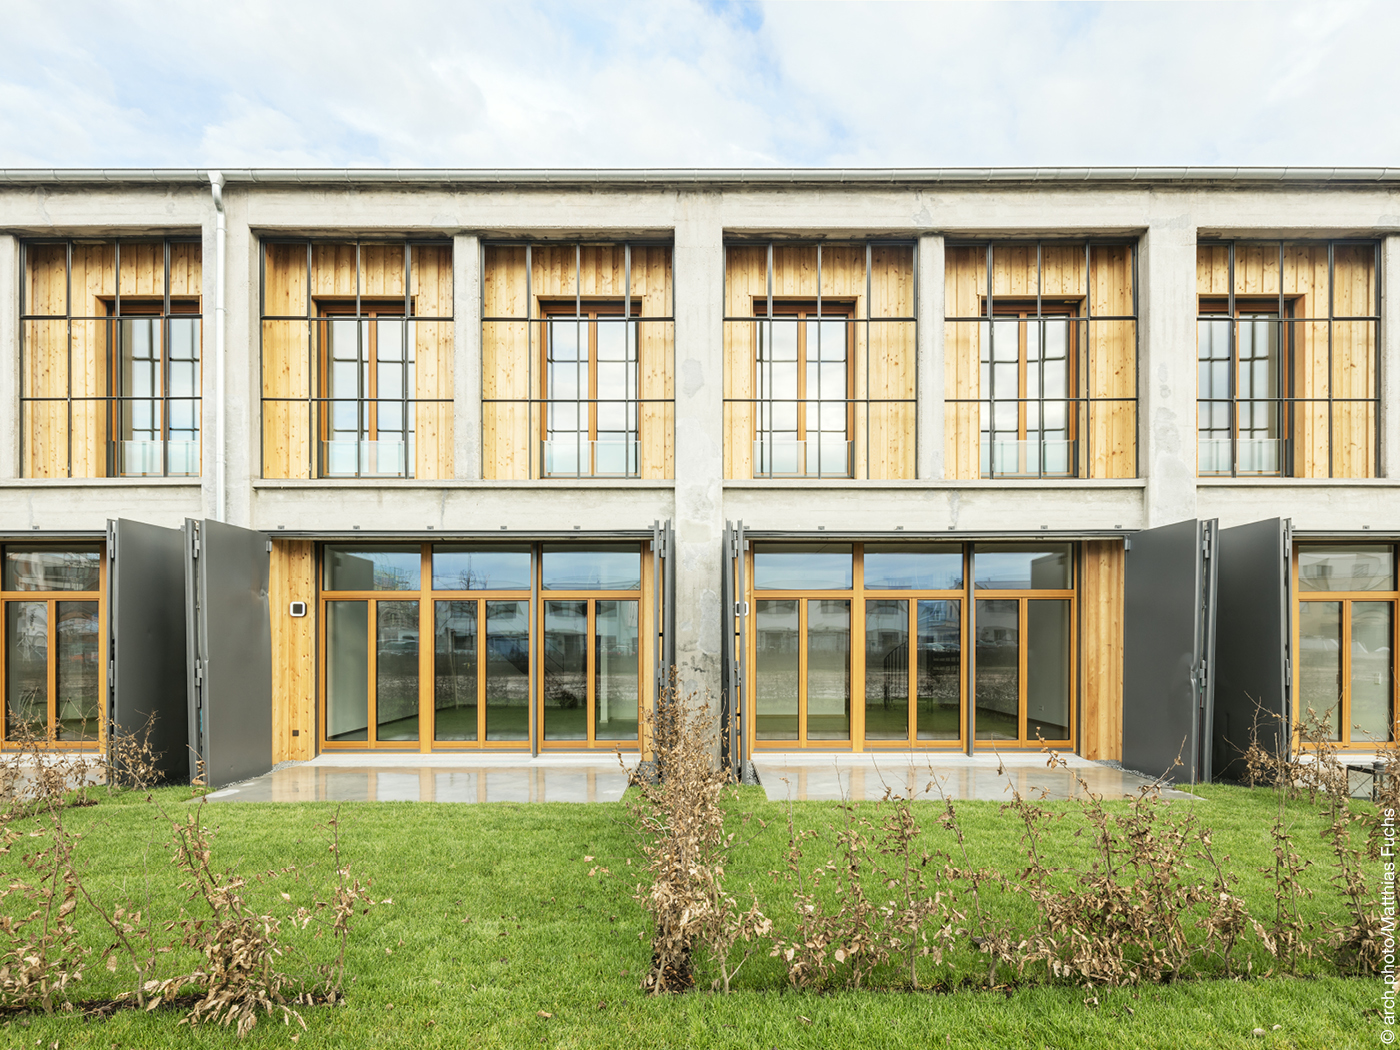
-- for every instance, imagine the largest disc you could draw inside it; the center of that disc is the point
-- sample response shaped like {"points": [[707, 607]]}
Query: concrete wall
{"points": [[1166, 217]]}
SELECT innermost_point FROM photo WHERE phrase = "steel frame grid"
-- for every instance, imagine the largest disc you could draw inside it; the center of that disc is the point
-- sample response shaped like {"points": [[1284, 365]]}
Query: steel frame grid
{"points": [[762, 325], [68, 317], [1285, 327], [1080, 465], [631, 404], [315, 462]]}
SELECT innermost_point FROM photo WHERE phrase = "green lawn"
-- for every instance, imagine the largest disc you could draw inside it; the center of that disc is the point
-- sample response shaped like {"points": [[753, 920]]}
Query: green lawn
{"points": [[545, 936]]}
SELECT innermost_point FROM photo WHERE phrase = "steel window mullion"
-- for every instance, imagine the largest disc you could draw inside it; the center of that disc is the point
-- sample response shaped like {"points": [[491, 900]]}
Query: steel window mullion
{"points": [[991, 366], [1232, 349], [579, 337], [869, 300], [362, 377], [403, 358], [530, 364], [165, 372]]}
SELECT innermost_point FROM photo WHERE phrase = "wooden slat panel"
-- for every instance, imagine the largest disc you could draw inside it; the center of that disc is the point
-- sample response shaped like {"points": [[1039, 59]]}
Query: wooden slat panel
{"points": [[560, 272], [1101, 602], [292, 577], [432, 297], [965, 286], [1112, 364]]}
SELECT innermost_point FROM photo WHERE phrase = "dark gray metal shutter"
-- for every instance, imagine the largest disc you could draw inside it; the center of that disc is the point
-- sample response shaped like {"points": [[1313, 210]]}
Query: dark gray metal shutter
{"points": [[145, 626], [1169, 634], [229, 638], [1253, 658], [734, 614]]}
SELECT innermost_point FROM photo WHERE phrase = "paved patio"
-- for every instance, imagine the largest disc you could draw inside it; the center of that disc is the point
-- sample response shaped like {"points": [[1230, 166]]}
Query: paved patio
{"points": [[437, 778], [814, 776]]}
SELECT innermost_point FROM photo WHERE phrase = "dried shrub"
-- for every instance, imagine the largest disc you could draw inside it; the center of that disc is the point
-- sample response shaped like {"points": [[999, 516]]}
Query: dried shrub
{"points": [[132, 761], [241, 947], [40, 955], [336, 915], [681, 821]]}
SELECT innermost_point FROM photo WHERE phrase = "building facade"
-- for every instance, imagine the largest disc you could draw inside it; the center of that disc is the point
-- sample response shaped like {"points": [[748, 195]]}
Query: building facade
{"points": [[860, 454]]}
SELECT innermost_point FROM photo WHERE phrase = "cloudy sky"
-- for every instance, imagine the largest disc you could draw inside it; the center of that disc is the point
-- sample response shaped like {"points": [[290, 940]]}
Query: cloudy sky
{"points": [[421, 83]]}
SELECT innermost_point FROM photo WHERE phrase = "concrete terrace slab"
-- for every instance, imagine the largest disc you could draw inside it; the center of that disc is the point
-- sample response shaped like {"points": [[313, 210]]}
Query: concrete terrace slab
{"points": [[814, 777], [438, 778]]}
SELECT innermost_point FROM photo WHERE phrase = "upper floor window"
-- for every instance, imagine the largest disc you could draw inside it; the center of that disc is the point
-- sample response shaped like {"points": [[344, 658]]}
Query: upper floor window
{"points": [[110, 335], [819, 360], [590, 372], [356, 359], [1286, 338], [577, 361], [803, 377], [1040, 352]]}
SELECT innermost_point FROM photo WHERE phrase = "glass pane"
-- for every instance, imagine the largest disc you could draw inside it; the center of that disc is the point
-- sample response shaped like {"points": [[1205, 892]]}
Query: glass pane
{"points": [[616, 646], [347, 670], [887, 670], [775, 669], [1020, 568], [925, 567], [1047, 669], [481, 568], [372, 568], [592, 569], [828, 669], [1369, 568], [939, 682], [998, 677], [802, 566], [1320, 663], [396, 670], [1371, 635], [507, 670], [454, 670], [78, 670], [45, 569], [26, 669], [565, 670]]}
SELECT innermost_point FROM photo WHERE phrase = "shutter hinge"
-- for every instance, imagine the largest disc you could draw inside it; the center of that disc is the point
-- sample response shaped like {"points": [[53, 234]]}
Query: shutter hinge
{"points": [[1127, 543], [269, 546], [741, 608]]}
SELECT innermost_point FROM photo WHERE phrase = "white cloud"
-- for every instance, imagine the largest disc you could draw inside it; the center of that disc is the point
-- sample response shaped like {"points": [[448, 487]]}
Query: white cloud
{"points": [[684, 83]]}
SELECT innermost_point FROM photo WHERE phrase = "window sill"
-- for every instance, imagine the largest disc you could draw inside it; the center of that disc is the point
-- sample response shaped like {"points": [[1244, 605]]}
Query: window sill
{"points": [[937, 484], [314, 484], [112, 483], [1260, 483]]}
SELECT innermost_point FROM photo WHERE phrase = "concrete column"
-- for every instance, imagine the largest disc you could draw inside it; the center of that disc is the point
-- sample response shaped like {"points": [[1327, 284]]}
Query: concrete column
{"points": [[9, 356], [699, 456], [1167, 369], [466, 357], [1389, 420], [243, 363], [929, 390]]}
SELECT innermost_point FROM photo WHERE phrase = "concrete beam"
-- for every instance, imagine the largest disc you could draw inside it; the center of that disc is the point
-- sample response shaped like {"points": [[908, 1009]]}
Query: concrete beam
{"points": [[930, 386], [699, 453], [1167, 369], [466, 356]]}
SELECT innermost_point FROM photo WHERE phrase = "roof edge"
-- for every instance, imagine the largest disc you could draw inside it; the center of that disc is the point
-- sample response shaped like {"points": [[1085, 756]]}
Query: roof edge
{"points": [[701, 176]]}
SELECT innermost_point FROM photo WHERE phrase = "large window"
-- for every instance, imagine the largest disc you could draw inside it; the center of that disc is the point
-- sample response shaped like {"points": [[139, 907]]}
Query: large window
{"points": [[820, 360], [110, 358], [1346, 641], [590, 370], [356, 341], [866, 645], [577, 370], [803, 377], [437, 647], [1040, 355], [1286, 343], [51, 662]]}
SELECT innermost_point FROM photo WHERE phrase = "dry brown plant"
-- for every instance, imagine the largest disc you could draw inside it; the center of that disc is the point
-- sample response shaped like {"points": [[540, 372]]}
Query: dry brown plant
{"points": [[131, 759], [240, 977], [335, 915], [681, 821]]}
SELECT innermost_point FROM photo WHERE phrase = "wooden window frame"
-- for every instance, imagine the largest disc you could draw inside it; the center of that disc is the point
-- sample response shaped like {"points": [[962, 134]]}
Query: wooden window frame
{"points": [[587, 312], [800, 310], [360, 310], [426, 596], [1345, 599], [52, 598], [1029, 310]]}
